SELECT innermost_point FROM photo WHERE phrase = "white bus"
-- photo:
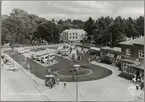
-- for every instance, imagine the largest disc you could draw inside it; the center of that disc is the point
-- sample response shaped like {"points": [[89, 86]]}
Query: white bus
{"points": [[24, 50], [47, 58]]}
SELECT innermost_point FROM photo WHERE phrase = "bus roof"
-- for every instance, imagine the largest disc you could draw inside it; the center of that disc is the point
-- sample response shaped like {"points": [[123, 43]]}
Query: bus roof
{"points": [[95, 48]]}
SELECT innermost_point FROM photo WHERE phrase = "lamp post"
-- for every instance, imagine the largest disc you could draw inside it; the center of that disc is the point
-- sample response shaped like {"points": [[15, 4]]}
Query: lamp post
{"points": [[49, 71], [76, 66]]}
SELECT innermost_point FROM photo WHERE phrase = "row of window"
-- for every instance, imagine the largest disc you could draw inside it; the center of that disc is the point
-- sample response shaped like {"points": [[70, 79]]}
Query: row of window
{"points": [[74, 37], [111, 55], [140, 52], [73, 33]]}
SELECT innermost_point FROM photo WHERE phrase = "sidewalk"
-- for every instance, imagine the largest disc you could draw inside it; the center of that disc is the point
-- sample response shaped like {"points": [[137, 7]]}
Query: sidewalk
{"points": [[58, 93], [17, 86]]}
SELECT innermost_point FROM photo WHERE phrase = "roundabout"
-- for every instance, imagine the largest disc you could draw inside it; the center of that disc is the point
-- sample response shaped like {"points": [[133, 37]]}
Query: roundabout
{"points": [[83, 73]]}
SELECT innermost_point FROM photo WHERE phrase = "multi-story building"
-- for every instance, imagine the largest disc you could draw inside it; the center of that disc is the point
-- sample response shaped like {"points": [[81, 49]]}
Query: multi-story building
{"points": [[132, 58], [72, 35]]}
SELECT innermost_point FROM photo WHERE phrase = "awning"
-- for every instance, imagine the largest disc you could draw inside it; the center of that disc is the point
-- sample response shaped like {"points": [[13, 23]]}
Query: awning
{"points": [[95, 48], [140, 66]]}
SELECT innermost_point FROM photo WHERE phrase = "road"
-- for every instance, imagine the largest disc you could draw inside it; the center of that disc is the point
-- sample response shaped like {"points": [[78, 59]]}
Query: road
{"points": [[17, 86]]}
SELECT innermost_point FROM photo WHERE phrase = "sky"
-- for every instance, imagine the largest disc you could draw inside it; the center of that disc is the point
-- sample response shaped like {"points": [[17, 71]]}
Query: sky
{"points": [[77, 9]]}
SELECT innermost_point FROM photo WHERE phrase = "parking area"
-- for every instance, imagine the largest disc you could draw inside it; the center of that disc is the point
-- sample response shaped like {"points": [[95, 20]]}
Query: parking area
{"points": [[102, 84]]}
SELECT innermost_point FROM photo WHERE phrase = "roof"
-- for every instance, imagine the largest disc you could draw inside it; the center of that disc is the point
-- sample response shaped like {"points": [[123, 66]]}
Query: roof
{"points": [[49, 76], [117, 49], [74, 30], [95, 48], [139, 41]]}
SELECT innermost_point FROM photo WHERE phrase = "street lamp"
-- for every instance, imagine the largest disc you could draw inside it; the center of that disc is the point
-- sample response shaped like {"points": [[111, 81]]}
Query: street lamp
{"points": [[76, 66], [49, 71]]}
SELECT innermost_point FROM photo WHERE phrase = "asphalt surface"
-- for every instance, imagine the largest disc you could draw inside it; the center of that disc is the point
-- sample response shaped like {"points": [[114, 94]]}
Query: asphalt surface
{"points": [[40, 71]]}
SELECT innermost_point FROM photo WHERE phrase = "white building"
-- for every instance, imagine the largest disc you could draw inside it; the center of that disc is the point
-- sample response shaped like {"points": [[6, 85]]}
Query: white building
{"points": [[73, 35]]}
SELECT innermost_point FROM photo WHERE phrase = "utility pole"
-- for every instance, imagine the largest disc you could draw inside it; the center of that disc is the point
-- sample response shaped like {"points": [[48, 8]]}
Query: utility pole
{"points": [[76, 90]]}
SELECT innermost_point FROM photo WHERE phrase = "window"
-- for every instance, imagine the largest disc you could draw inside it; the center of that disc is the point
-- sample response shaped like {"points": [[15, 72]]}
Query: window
{"points": [[70, 37], [118, 56], [73, 37], [76, 37], [140, 53], [127, 68], [124, 67], [128, 51]]}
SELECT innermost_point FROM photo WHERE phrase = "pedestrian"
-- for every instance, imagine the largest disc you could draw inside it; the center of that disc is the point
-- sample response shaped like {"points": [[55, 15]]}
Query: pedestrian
{"points": [[137, 86], [57, 81], [25, 58], [141, 86], [89, 60], [134, 80], [64, 84]]}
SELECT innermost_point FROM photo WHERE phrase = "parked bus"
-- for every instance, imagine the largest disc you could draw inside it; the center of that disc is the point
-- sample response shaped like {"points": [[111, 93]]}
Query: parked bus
{"points": [[24, 50], [48, 58]]}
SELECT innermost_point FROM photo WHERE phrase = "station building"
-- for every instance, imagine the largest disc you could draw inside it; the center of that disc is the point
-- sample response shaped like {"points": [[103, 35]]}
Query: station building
{"points": [[132, 58], [110, 55], [72, 35]]}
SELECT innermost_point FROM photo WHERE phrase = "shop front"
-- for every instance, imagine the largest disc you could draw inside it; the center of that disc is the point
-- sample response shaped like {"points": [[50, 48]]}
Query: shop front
{"points": [[133, 69]]}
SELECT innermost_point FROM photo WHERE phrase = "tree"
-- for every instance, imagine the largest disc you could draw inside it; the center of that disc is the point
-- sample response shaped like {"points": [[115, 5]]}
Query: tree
{"points": [[117, 31], [131, 30], [89, 26], [140, 25], [100, 32]]}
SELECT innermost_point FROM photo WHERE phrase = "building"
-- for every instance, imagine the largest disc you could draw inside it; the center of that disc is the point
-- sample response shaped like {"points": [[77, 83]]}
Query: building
{"points": [[132, 58], [72, 35], [110, 55]]}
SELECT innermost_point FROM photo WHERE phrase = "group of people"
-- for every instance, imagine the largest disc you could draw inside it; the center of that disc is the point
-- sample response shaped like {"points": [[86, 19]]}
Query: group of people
{"points": [[139, 82], [52, 82]]}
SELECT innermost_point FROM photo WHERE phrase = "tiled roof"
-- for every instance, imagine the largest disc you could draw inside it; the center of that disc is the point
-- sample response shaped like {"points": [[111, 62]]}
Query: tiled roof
{"points": [[134, 41]]}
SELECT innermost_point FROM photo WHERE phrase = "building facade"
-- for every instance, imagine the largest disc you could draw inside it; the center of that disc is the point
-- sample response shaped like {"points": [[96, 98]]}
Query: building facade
{"points": [[72, 35], [132, 58], [110, 55]]}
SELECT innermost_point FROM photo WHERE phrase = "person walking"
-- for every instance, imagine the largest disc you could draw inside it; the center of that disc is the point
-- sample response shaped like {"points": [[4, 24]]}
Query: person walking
{"points": [[89, 60], [137, 86], [57, 81], [64, 85]]}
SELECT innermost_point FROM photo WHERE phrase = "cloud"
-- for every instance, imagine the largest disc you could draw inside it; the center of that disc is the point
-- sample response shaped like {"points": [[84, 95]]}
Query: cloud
{"points": [[77, 9], [131, 11]]}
